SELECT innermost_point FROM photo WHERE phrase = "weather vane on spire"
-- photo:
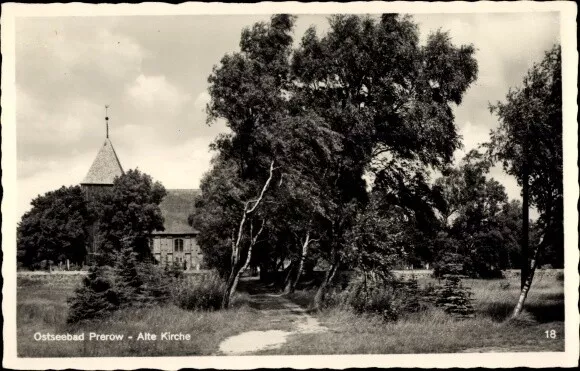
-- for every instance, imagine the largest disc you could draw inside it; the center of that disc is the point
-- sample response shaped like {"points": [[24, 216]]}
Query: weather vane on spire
{"points": [[107, 118]]}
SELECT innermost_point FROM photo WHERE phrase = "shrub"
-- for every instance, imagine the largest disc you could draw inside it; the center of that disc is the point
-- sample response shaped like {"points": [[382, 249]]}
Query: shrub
{"points": [[95, 297], [429, 293], [129, 283], [390, 299], [455, 298], [157, 284], [205, 293], [174, 270], [140, 283]]}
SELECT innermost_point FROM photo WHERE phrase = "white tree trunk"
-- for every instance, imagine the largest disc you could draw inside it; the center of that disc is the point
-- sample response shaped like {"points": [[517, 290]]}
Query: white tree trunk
{"points": [[301, 263], [236, 246], [527, 282]]}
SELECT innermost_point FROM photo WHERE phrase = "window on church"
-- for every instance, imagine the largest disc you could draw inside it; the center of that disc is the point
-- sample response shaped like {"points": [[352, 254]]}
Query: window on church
{"points": [[178, 245]]}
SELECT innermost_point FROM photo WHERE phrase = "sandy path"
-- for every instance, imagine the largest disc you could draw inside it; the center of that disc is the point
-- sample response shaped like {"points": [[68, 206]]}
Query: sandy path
{"points": [[278, 311]]}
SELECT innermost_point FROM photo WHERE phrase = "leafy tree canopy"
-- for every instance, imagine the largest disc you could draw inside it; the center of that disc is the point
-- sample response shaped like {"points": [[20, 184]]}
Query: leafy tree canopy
{"points": [[365, 96], [528, 142], [130, 212], [480, 226], [55, 228]]}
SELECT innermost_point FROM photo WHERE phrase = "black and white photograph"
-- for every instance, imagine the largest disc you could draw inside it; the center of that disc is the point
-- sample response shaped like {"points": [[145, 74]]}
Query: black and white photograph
{"points": [[364, 180]]}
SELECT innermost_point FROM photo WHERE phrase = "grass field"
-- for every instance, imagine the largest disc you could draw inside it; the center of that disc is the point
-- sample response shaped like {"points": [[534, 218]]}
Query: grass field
{"points": [[434, 331], [42, 308]]}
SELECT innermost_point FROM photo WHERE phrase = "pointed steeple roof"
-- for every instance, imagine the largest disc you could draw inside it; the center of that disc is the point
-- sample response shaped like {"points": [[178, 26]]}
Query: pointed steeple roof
{"points": [[105, 167]]}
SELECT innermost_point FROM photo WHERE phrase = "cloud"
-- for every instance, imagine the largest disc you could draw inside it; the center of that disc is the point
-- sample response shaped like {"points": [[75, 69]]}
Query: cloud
{"points": [[473, 136], [76, 54], [45, 132], [68, 68], [178, 166], [155, 92], [202, 100], [43, 176]]}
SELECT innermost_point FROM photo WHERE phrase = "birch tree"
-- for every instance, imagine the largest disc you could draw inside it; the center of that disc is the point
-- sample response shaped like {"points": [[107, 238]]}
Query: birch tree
{"points": [[366, 89], [528, 142]]}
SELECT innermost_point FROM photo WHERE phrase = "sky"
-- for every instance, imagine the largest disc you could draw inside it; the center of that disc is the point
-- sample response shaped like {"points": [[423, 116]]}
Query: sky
{"points": [[152, 71]]}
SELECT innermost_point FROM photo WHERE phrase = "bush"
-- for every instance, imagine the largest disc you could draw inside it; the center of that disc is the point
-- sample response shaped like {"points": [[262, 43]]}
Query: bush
{"points": [[455, 298], [391, 299], [156, 285], [129, 283], [95, 297], [205, 293]]}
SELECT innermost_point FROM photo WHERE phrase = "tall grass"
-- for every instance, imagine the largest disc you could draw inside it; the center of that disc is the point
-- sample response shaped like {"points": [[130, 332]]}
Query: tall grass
{"points": [[42, 307], [434, 331], [204, 293]]}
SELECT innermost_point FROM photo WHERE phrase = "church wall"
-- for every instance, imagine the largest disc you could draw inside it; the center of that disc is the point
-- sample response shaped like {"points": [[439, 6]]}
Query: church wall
{"points": [[186, 253]]}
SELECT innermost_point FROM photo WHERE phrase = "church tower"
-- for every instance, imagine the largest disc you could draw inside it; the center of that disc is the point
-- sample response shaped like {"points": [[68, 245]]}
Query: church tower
{"points": [[105, 168]]}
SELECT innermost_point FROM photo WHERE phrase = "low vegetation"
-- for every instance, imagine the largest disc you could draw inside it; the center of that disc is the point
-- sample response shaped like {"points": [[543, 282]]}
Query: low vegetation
{"points": [[434, 331], [390, 299], [42, 307], [204, 293]]}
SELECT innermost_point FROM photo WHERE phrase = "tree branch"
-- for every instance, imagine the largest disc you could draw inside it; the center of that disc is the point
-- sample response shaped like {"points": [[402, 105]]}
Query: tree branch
{"points": [[257, 202]]}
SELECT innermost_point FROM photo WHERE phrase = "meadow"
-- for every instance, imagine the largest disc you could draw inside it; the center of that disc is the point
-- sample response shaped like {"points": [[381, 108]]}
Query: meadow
{"points": [[42, 307]]}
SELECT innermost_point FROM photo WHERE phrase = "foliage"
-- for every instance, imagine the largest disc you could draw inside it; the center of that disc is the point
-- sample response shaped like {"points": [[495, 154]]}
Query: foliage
{"points": [[140, 284], [448, 261], [127, 283], [480, 225], [389, 298], [455, 298], [95, 297], [528, 142], [205, 293], [55, 228], [366, 96], [375, 241], [216, 213], [129, 213]]}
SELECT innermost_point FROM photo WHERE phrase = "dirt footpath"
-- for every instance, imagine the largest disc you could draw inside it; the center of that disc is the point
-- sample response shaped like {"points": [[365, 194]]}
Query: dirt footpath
{"points": [[280, 313]]}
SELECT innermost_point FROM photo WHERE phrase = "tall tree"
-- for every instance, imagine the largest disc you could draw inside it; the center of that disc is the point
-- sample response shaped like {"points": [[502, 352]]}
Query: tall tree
{"points": [[388, 97], [528, 142], [367, 84], [129, 213], [55, 228]]}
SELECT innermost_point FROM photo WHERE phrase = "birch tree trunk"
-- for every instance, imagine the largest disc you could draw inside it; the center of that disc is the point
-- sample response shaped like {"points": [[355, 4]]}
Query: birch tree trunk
{"points": [[527, 284], [303, 255], [237, 267], [531, 268], [525, 225]]}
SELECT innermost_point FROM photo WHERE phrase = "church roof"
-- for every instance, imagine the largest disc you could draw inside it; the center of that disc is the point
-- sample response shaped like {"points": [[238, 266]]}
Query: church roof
{"points": [[176, 207], [105, 167]]}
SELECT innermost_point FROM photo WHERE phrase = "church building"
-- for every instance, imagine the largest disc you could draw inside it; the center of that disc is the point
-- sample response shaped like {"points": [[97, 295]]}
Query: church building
{"points": [[177, 243]]}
